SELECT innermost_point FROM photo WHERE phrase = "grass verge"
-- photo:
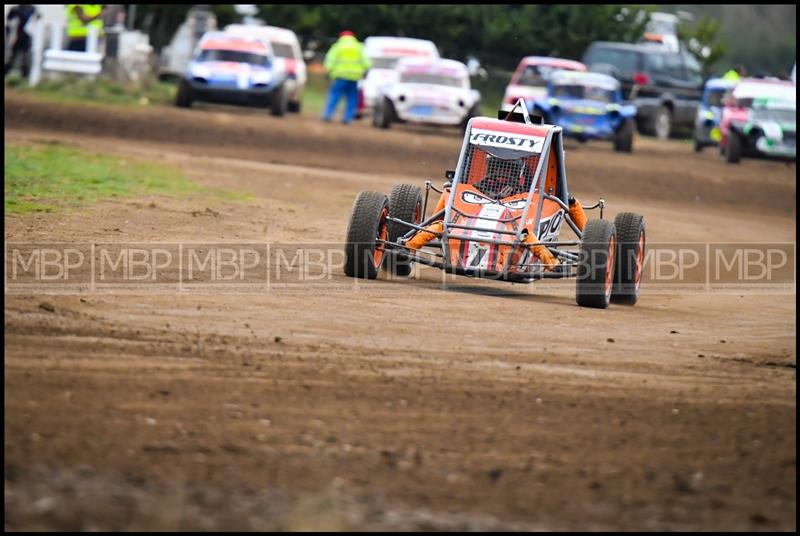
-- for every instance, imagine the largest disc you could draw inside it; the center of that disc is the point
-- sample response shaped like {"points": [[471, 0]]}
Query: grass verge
{"points": [[53, 177], [72, 88]]}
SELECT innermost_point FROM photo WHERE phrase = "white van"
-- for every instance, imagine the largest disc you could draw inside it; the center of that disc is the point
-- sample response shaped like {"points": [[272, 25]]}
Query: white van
{"points": [[288, 57], [384, 51]]}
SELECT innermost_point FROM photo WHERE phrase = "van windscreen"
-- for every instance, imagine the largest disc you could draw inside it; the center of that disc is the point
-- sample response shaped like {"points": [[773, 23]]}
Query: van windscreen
{"points": [[626, 61]]}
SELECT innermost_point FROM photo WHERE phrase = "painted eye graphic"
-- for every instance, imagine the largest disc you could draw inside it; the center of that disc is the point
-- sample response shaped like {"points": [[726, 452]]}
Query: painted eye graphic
{"points": [[475, 199], [515, 205]]}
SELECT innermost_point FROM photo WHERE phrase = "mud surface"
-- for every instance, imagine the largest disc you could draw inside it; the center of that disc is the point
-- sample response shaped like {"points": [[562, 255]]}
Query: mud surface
{"points": [[387, 404]]}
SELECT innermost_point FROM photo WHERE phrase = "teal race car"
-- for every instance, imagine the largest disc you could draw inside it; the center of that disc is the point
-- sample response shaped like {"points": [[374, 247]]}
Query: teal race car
{"points": [[760, 120]]}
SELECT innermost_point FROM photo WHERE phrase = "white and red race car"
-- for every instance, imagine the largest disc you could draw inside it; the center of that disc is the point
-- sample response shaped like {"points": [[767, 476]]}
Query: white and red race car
{"points": [[434, 92], [288, 57]]}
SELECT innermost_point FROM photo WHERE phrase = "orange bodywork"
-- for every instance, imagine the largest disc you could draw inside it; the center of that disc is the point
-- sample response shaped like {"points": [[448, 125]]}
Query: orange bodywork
{"points": [[489, 220], [469, 214]]}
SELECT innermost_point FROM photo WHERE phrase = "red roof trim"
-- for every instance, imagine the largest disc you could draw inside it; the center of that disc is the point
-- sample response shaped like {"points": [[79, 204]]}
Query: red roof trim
{"points": [[510, 127]]}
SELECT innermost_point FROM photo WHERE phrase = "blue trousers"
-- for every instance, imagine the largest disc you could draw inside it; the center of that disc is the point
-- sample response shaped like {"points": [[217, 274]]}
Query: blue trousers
{"points": [[342, 88]]}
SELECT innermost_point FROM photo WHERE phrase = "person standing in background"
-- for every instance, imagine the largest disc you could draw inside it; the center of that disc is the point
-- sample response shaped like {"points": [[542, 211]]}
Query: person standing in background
{"points": [[345, 64], [79, 18], [734, 75], [24, 13]]}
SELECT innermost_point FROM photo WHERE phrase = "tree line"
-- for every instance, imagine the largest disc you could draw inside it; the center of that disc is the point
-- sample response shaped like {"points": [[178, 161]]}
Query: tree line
{"points": [[499, 35]]}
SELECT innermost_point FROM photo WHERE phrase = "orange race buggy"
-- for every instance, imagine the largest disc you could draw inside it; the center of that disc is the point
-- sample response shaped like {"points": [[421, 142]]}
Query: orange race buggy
{"points": [[499, 217]]}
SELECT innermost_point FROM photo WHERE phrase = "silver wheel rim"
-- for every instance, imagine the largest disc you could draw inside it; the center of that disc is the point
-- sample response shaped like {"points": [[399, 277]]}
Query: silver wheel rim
{"points": [[662, 126]]}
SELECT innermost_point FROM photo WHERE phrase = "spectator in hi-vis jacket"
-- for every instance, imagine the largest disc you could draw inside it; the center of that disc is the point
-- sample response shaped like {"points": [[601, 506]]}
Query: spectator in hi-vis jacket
{"points": [[345, 65]]}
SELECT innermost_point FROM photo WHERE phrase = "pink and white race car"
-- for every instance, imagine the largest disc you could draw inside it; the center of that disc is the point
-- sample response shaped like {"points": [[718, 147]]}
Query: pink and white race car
{"points": [[530, 79], [384, 53]]}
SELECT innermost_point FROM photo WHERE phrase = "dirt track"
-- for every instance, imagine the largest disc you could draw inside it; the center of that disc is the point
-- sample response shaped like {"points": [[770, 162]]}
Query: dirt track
{"points": [[393, 404]]}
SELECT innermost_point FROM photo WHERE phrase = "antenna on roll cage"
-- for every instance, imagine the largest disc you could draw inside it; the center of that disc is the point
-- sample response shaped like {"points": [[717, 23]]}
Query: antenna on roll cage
{"points": [[524, 117]]}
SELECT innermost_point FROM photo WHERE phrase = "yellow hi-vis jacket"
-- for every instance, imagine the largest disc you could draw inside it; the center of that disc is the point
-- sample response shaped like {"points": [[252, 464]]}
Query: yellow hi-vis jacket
{"points": [[346, 59], [75, 26], [731, 75]]}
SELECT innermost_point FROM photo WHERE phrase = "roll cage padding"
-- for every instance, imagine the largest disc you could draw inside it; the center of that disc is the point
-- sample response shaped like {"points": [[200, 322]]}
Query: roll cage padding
{"points": [[577, 214]]}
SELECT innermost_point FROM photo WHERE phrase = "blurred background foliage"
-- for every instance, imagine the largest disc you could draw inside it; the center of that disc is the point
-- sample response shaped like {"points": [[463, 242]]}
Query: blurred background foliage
{"points": [[760, 37]]}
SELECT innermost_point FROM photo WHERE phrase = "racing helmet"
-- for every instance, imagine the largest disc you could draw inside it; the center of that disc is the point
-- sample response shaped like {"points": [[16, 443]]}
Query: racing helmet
{"points": [[502, 177]]}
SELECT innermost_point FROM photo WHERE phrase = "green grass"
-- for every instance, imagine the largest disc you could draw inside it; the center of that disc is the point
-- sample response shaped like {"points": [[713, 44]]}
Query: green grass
{"points": [[53, 177], [80, 89], [315, 94], [71, 88]]}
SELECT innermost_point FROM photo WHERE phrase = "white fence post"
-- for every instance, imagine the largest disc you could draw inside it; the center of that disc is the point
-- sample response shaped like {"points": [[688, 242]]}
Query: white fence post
{"points": [[91, 40], [56, 36], [35, 75]]}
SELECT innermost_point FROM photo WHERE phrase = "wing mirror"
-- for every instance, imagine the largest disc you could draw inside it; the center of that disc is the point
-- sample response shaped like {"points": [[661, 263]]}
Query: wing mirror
{"points": [[450, 174]]}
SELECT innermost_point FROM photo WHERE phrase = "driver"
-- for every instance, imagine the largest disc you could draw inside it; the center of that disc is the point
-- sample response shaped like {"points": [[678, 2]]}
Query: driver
{"points": [[503, 177]]}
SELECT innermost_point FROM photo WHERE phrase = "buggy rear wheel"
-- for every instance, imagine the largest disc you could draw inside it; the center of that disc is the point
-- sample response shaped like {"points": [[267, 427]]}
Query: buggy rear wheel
{"points": [[364, 250], [631, 237], [596, 264], [405, 203], [623, 138]]}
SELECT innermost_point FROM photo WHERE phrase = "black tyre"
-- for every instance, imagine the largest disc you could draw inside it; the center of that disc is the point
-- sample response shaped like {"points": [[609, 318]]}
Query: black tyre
{"points": [[184, 96], [279, 102], [698, 146], [733, 151], [368, 225], [596, 265], [661, 123], [405, 203], [473, 112], [623, 139], [383, 115], [631, 238], [295, 107]]}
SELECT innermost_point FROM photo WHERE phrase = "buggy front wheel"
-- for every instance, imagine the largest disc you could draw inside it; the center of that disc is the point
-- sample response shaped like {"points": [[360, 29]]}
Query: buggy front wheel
{"points": [[596, 264], [405, 203], [368, 229]]}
